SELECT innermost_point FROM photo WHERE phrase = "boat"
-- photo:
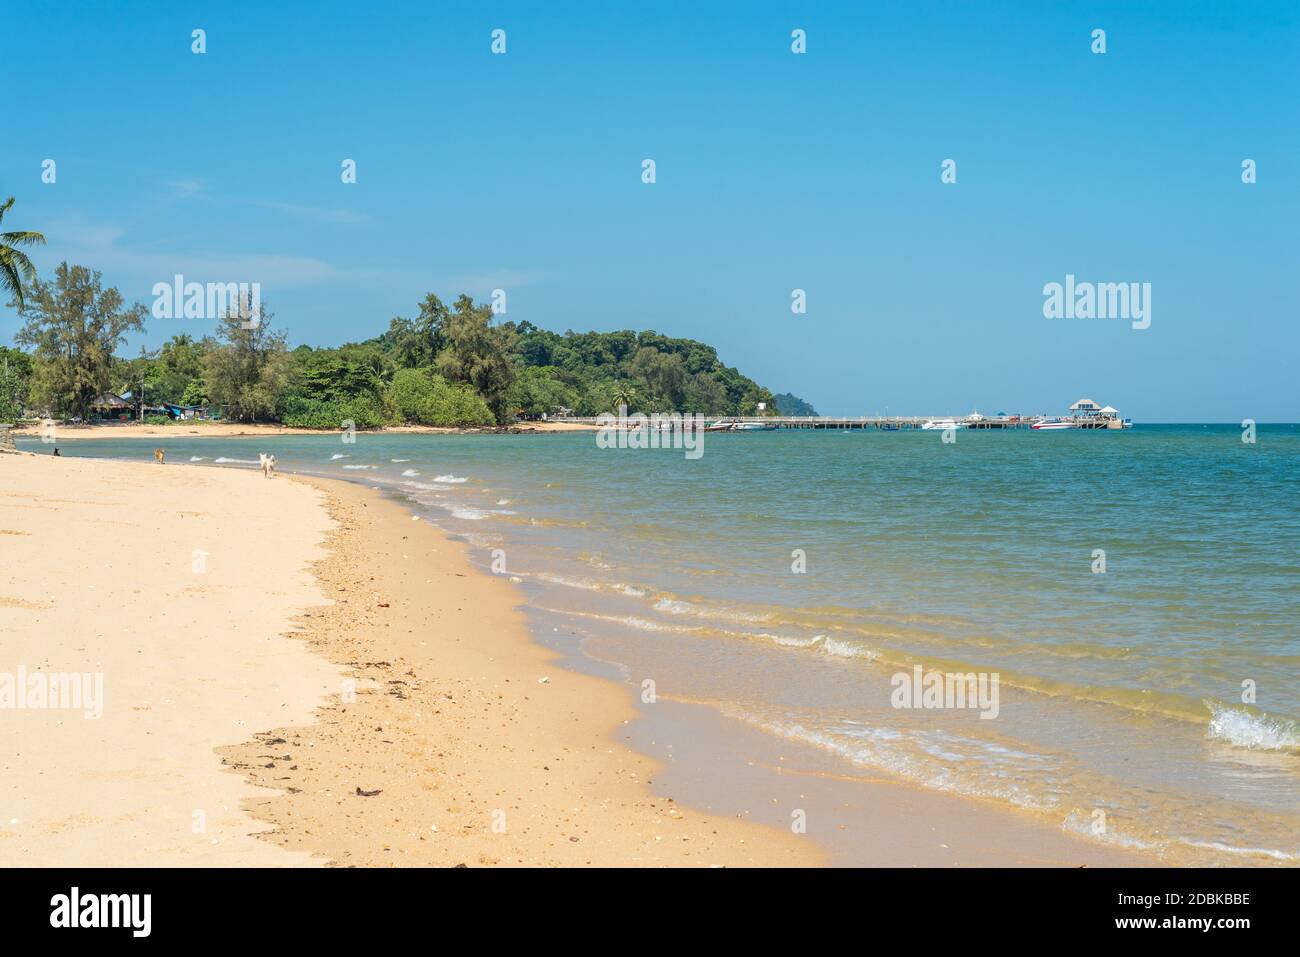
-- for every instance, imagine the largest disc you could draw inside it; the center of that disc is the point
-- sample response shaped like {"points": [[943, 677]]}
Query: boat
{"points": [[722, 425], [1052, 425], [941, 424]]}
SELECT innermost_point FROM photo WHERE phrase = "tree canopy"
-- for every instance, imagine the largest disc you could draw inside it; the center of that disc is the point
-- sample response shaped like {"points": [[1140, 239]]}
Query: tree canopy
{"points": [[453, 366]]}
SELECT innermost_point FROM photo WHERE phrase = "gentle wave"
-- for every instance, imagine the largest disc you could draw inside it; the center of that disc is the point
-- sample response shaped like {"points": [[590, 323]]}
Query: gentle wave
{"points": [[676, 606], [1242, 729], [410, 473], [847, 649], [1243, 851], [449, 479], [898, 753], [793, 642], [225, 461], [631, 621]]}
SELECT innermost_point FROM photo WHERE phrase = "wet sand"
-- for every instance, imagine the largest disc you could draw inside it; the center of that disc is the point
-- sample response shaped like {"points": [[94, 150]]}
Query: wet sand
{"points": [[463, 742]]}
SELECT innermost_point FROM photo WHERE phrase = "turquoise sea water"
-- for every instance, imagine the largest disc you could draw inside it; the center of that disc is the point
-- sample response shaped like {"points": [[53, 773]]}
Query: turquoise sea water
{"points": [[1120, 692]]}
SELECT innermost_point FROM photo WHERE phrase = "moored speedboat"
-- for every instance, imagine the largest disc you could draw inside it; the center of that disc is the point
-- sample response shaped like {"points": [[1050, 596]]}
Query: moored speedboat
{"points": [[941, 424], [1052, 425]]}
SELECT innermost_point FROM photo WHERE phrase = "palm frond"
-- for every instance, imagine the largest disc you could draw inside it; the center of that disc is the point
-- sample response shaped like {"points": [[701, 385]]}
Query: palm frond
{"points": [[15, 270], [22, 238]]}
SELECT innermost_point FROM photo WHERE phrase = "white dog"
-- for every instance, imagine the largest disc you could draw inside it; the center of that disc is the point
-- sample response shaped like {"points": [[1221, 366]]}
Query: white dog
{"points": [[268, 463]]}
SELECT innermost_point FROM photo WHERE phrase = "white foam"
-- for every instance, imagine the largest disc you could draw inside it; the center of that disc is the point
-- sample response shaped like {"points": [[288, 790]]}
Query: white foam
{"points": [[1242, 729], [795, 642], [846, 649], [1083, 825], [340, 455], [450, 479], [226, 461], [359, 467], [198, 458], [676, 607], [1244, 851], [410, 473], [399, 461], [569, 582]]}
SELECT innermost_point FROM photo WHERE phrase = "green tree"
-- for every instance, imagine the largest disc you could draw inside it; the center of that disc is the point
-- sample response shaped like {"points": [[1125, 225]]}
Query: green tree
{"points": [[623, 394], [179, 369], [543, 390], [73, 325], [422, 397], [247, 369], [479, 354], [16, 269], [704, 394], [15, 374], [196, 393], [415, 344], [663, 376]]}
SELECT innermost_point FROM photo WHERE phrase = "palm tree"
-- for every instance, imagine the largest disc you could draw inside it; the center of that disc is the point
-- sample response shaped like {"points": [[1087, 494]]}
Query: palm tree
{"points": [[15, 267], [623, 394]]}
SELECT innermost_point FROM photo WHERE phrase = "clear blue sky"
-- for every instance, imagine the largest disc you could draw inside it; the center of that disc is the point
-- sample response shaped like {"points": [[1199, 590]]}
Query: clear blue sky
{"points": [[775, 171]]}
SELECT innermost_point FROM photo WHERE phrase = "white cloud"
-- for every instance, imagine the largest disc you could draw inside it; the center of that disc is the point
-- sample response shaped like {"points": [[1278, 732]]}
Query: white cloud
{"points": [[319, 214], [100, 247], [185, 187]]}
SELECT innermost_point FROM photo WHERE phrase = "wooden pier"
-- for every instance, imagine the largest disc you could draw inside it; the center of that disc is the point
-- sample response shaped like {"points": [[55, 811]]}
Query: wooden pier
{"points": [[890, 423]]}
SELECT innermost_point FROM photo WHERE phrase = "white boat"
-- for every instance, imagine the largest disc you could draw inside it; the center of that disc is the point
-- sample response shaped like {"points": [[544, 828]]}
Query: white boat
{"points": [[722, 425], [1052, 425], [941, 424]]}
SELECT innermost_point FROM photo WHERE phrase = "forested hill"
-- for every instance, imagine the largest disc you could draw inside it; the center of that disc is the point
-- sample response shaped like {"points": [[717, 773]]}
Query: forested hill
{"points": [[449, 365], [590, 372], [787, 404]]}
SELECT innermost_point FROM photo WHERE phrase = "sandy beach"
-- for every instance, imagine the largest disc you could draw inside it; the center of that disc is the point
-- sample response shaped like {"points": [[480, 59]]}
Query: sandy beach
{"points": [[297, 675], [177, 586]]}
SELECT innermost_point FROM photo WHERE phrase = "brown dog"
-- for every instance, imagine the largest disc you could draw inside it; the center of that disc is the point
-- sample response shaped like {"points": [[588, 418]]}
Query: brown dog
{"points": [[158, 456]]}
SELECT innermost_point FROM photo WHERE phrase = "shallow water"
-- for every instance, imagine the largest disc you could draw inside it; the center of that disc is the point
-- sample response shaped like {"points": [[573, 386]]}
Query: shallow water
{"points": [[1120, 695]]}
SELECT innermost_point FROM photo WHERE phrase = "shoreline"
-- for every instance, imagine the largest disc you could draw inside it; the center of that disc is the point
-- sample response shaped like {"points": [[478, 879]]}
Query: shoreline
{"points": [[229, 430], [460, 713], [463, 743], [698, 757], [375, 708]]}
